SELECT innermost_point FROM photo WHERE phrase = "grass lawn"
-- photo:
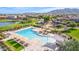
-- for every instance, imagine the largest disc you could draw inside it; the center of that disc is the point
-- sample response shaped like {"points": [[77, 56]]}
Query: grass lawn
{"points": [[13, 45], [74, 33]]}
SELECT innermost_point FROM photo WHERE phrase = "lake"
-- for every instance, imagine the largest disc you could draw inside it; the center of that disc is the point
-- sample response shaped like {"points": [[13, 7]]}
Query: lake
{"points": [[5, 23]]}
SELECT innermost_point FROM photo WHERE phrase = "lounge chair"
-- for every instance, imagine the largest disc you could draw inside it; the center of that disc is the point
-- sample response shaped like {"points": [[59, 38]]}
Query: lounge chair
{"points": [[26, 44], [22, 42], [17, 39]]}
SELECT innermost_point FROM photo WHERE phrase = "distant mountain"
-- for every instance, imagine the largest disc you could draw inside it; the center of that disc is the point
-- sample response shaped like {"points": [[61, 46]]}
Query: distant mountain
{"points": [[65, 11]]}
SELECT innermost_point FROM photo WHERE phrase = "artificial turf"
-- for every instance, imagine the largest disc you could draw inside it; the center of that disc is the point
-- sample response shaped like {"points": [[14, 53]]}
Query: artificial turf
{"points": [[13, 45]]}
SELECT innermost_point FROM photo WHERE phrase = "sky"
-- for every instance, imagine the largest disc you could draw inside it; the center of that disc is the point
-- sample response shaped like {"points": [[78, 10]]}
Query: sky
{"points": [[16, 10]]}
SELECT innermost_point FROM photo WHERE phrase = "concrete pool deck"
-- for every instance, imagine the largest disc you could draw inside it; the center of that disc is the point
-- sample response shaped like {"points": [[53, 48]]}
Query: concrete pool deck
{"points": [[33, 44]]}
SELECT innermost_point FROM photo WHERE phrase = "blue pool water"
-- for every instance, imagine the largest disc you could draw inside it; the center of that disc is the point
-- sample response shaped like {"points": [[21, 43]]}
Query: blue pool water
{"points": [[30, 34]]}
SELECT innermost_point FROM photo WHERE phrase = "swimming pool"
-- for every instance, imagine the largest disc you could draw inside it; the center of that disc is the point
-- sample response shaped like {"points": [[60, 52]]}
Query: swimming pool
{"points": [[31, 35]]}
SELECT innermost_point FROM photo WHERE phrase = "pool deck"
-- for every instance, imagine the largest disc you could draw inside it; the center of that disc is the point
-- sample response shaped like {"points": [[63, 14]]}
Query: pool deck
{"points": [[34, 45]]}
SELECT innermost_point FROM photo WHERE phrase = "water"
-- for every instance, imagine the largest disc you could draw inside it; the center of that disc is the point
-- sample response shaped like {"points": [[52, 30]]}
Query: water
{"points": [[5, 23], [31, 35]]}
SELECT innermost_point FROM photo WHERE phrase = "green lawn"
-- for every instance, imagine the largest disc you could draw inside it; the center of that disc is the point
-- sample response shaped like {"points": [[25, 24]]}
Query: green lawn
{"points": [[74, 33], [13, 45]]}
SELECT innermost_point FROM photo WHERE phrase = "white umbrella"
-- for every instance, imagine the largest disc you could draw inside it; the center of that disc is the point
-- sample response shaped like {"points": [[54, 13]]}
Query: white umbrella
{"points": [[51, 40], [51, 35]]}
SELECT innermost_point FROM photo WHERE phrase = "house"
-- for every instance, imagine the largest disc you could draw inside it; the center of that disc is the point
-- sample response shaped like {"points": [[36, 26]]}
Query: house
{"points": [[11, 16], [3, 17]]}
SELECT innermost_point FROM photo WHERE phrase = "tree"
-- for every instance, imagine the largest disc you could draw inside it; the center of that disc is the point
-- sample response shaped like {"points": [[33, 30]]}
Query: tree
{"points": [[25, 19], [72, 45], [71, 24], [40, 16], [77, 24], [59, 26], [54, 17], [46, 18]]}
